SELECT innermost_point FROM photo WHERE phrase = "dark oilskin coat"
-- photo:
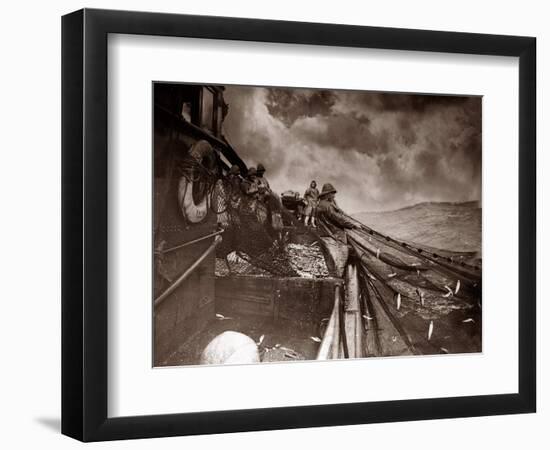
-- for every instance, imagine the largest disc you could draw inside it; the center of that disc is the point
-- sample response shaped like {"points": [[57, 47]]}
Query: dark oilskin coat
{"points": [[331, 220]]}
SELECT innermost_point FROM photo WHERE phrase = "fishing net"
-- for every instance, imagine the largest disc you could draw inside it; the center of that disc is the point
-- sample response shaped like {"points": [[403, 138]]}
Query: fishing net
{"points": [[397, 293], [252, 227], [253, 224], [408, 288]]}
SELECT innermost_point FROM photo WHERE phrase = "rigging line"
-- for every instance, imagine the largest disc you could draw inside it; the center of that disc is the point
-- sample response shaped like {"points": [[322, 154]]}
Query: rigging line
{"points": [[436, 266], [185, 244], [422, 253], [188, 272], [431, 285]]}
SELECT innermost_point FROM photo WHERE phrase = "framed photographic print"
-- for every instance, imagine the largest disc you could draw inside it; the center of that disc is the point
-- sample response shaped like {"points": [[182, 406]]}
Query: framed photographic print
{"points": [[274, 224]]}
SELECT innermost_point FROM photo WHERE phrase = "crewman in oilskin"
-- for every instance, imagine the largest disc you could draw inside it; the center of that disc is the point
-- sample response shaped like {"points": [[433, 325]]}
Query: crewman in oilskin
{"points": [[234, 182], [263, 184], [249, 188], [331, 224]]}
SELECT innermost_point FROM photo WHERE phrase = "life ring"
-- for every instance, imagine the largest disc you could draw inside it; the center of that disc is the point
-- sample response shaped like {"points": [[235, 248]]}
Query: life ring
{"points": [[192, 210]]}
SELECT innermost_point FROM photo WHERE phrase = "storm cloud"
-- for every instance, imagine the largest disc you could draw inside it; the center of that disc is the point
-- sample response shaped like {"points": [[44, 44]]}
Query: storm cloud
{"points": [[382, 151]]}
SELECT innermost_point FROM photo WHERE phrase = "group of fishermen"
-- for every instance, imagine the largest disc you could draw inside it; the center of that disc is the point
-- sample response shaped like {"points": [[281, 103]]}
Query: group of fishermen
{"points": [[320, 211], [254, 186], [253, 193]]}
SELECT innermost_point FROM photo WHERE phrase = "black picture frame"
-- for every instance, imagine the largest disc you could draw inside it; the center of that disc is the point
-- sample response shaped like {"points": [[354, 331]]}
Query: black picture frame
{"points": [[84, 224]]}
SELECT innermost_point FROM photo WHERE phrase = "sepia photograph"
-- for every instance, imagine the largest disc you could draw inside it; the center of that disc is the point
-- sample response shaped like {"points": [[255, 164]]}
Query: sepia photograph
{"points": [[300, 224]]}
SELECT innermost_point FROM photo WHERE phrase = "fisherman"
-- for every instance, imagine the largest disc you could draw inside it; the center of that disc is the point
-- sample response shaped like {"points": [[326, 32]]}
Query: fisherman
{"points": [[234, 181], [332, 223], [265, 197], [249, 188], [311, 198], [263, 185], [249, 185]]}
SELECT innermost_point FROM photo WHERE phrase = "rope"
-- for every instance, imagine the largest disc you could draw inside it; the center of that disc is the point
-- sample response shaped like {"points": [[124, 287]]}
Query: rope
{"points": [[188, 272], [185, 244]]}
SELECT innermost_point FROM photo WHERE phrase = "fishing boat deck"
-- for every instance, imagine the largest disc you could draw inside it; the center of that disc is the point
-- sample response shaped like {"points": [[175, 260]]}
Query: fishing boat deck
{"points": [[288, 312], [283, 340]]}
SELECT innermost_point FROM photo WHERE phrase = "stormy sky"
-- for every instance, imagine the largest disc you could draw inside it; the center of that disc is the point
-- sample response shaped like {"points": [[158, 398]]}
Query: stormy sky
{"points": [[381, 151]]}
